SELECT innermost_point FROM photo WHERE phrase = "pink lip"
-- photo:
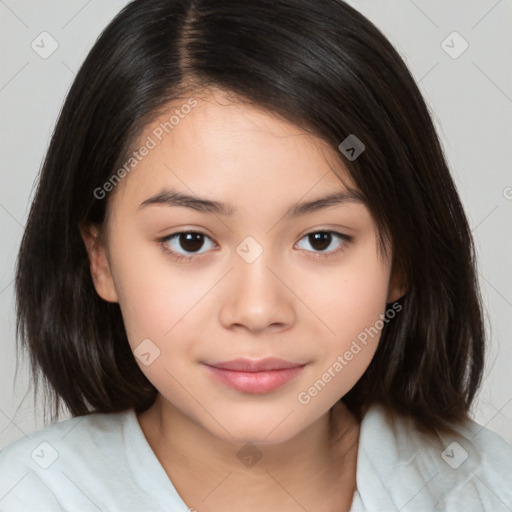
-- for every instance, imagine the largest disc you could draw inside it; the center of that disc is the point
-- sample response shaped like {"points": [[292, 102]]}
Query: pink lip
{"points": [[254, 376]]}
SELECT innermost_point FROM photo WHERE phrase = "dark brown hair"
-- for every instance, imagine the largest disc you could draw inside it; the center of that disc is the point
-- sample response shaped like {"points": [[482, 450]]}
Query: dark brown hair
{"points": [[324, 67]]}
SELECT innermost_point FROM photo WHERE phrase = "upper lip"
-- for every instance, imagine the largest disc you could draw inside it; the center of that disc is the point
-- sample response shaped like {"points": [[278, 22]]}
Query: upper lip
{"points": [[242, 364]]}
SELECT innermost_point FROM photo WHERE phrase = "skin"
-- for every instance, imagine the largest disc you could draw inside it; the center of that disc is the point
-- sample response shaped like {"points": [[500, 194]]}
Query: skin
{"points": [[292, 302]]}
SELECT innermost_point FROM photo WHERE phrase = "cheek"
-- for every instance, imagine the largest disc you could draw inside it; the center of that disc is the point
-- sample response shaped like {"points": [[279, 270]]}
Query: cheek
{"points": [[352, 297], [351, 304], [155, 296], [158, 305]]}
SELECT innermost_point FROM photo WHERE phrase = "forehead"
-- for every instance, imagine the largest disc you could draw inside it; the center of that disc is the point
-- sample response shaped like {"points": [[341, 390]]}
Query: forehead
{"points": [[233, 151]]}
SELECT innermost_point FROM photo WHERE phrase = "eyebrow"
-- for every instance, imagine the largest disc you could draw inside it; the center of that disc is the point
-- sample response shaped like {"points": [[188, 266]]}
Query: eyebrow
{"points": [[176, 198]]}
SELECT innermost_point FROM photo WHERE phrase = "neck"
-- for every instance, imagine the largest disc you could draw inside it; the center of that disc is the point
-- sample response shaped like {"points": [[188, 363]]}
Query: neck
{"points": [[214, 474]]}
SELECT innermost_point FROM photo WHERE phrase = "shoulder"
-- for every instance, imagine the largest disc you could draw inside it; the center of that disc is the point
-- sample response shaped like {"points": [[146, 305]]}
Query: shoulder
{"points": [[469, 470], [38, 469], [44, 447]]}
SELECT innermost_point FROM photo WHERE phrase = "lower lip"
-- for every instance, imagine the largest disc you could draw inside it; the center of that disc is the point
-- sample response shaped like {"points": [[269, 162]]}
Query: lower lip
{"points": [[254, 382]]}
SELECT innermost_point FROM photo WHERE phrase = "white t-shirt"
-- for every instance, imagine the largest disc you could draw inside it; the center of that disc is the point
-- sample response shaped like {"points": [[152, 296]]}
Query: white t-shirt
{"points": [[103, 462]]}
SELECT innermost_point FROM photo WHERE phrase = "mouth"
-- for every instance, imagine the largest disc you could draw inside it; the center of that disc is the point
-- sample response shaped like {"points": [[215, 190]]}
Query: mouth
{"points": [[254, 376]]}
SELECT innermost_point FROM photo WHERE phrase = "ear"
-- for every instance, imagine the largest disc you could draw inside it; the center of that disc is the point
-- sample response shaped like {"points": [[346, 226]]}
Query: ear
{"points": [[99, 264], [397, 287]]}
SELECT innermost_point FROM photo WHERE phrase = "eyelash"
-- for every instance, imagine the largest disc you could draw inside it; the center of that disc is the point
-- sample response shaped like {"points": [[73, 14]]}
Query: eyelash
{"points": [[180, 257]]}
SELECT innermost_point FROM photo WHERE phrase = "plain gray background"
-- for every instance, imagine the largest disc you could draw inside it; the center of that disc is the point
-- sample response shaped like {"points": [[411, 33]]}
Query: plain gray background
{"points": [[469, 93]]}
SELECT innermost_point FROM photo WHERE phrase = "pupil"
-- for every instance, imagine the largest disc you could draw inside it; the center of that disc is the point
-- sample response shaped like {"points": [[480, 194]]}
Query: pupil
{"points": [[191, 241], [320, 241]]}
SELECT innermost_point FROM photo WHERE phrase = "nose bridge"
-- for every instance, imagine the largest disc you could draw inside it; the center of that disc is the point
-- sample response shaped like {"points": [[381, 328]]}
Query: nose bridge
{"points": [[256, 285], [256, 297]]}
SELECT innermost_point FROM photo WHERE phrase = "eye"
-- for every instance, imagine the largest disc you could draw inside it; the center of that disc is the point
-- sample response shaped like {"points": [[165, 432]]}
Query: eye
{"points": [[191, 242], [185, 245], [322, 240]]}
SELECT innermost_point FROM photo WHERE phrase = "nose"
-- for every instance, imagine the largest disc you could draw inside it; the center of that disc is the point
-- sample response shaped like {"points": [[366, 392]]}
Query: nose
{"points": [[257, 298]]}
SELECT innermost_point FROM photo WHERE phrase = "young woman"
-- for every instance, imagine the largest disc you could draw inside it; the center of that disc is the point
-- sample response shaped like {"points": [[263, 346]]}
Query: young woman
{"points": [[248, 276]]}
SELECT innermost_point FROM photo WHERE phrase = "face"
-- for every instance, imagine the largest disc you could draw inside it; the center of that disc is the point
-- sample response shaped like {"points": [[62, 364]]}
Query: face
{"points": [[255, 320]]}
